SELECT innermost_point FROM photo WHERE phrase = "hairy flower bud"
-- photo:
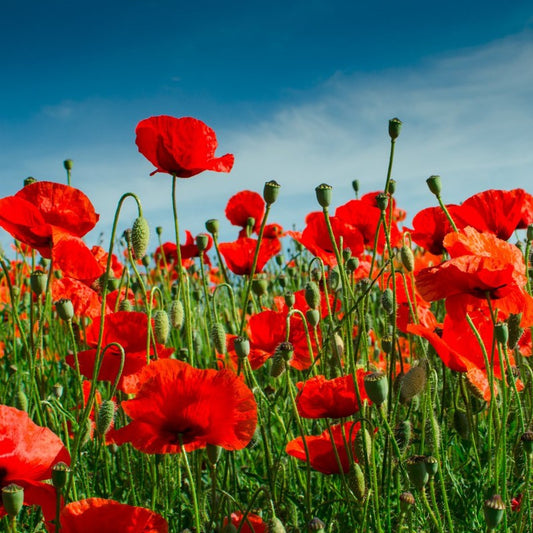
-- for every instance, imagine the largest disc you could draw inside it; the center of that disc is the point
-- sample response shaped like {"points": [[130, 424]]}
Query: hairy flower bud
{"points": [[140, 237], [161, 326]]}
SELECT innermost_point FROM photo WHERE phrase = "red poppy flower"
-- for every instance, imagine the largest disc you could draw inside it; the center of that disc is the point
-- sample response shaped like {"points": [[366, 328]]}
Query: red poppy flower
{"points": [[245, 205], [188, 250], [27, 454], [321, 453], [251, 524], [109, 516], [177, 402], [315, 237], [52, 218], [130, 330], [239, 254], [180, 146], [319, 397]]}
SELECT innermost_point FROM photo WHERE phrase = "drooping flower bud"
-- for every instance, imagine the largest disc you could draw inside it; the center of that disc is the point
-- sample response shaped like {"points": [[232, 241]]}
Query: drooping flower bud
{"points": [[387, 301], [312, 295], [363, 446], [140, 237], [408, 258], [356, 481], [105, 416], [161, 326], [323, 194], [271, 191], [176, 314], [218, 337], [413, 382]]}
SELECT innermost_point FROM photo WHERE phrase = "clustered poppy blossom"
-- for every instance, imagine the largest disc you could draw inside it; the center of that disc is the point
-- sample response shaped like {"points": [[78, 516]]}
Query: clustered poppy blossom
{"points": [[178, 404], [109, 516], [249, 523], [27, 454], [182, 147], [242, 207], [239, 254]]}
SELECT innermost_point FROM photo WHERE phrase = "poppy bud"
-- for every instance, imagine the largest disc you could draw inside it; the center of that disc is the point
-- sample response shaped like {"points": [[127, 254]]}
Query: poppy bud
{"points": [[140, 237], [213, 453], [352, 264], [176, 314], [57, 390], [413, 382], [382, 201], [313, 317], [376, 387], [212, 226], [158, 231], [113, 284], [68, 164], [275, 525], [280, 259], [21, 400], [527, 441], [218, 337], [259, 286], [407, 257], [38, 282], [434, 185], [386, 344], [407, 500], [356, 481], [161, 326], [312, 295], [323, 194], [285, 349], [334, 279], [278, 365], [242, 347], [271, 191], [387, 301], [202, 241], [395, 126], [125, 305], [515, 331], [13, 499], [29, 180], [346, 254], [316, 525], [105, 416], [391, 187], [416, 469], [362, 446], [355, 187], [339, 345], [250, 223], [502, 332], [290, 299], [402, 434], [432, 466], [493, 509], [65, 309], [59, 475]]}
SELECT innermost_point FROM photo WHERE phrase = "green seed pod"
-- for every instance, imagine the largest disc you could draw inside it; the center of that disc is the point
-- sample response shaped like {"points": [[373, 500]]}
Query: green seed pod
{"points": [[29, 180], [57, 390], [312, 295], [212, 225], [387, 301], [218, 337], [515, 331], [386, 344], [362, 446], [355, 186], [242, 347], [38, 282], [346, 254], [407, 500], [59, 475], [391, 187], [13, 499], [395, 126], [290, 299], [382, 201], [323, 194], [408, 258], [502, 332], [213, 453], [432, 466], [413, 382], [334, 279], [259, 286], [316, 525], [65, 309], [21, 400], [140, 237], [68, 164], [105, 416], [416, 469], [356, 482], [461, 423], [313, 317], [112, 284], [352, 264], [434, 185], [493, 509], [271, 192], [161, 326], [376, 387], [125, 305], [202, 242], [176, 314]]}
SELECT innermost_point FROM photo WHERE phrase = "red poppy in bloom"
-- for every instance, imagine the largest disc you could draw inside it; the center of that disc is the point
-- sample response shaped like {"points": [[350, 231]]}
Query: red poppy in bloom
{"points": [[319, 397], [177, 402], [251, 524], [239, 254], [322, 456], [109, 516], [315, 237], [130, 330], [180, 146], [245, 205], [27, 454], [52, 218], [167, 253]]}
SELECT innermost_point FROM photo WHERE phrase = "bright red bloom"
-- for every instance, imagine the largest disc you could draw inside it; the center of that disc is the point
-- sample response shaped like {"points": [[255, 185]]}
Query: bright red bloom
{"points": [[245, 205], [321, 453], [315, 237], [252, 523], [52, 218], [180, 146], [130, 330], [319, 397], [188, 250], [109, 516], [177, 402], [27, 454], [239, 254]]}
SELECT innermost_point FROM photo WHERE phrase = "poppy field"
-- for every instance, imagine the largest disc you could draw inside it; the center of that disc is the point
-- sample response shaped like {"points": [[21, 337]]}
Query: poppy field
{"points": [[359, 374]]}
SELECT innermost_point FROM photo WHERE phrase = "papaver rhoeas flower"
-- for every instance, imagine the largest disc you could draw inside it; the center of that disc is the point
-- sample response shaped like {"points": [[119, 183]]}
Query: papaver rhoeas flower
{"points": [[179, 404], [168, 252], [319, 397], [251, 524], [245, 205], [239, 254], [109, 516], [481, 266], [130, 330], [51, 218], [27, 454], [183, 146], [322, 456]]}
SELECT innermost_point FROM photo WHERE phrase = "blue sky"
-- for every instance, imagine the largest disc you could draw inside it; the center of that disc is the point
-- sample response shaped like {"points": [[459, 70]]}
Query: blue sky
{"points": [[299, 91]]}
